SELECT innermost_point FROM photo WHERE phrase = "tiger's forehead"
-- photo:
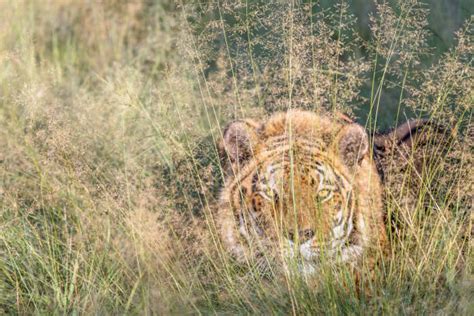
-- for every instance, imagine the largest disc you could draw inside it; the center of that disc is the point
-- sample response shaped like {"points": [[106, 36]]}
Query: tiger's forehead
{"points": [[299, 159], [297, 150], [296, 145], [304, 125]]}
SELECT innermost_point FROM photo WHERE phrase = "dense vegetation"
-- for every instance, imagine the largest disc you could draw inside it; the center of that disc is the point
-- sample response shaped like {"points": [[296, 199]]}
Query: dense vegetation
{"points": [[109, 116]]}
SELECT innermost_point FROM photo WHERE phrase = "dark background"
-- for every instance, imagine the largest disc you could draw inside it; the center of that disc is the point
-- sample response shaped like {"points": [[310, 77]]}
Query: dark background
{"points": [[444, 19]]}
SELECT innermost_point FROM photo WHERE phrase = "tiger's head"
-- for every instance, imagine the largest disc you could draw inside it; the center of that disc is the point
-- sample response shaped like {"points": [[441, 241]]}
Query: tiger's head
{"points": [[300, 182]]}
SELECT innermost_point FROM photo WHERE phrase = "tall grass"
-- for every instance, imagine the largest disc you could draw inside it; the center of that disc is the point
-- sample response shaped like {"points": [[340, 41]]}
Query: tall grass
{"points": [[109, 116]]}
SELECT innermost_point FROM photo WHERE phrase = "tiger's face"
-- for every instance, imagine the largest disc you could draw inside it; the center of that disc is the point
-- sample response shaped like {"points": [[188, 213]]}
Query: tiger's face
{"points": [[301, 183], [303, 201]]}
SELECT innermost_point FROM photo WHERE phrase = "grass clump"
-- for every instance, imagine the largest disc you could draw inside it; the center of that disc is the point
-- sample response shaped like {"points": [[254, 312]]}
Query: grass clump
{"points": [[109, 117]]}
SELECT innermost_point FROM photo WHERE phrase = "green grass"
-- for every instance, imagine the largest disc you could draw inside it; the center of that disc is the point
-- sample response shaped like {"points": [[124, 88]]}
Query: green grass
{"points": [[109, 118]]}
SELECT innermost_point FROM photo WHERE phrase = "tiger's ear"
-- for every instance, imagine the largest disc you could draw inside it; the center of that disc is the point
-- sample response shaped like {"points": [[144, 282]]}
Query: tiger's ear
{"points": [[352, 144], [236, 147]]}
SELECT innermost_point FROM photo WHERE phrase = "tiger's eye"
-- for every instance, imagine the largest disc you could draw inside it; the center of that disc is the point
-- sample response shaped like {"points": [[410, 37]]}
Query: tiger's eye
{"points": [[324, 193]]}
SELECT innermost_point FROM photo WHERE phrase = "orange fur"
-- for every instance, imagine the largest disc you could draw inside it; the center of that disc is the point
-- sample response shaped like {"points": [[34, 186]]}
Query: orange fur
{"points": [[278, 187]]}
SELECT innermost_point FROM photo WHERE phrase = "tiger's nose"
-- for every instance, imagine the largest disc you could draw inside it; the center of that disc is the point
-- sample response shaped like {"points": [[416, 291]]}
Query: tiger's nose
{"points": [[303, 235]]}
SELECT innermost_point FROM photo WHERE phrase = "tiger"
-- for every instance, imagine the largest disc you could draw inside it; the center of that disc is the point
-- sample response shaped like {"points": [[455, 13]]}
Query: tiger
{"points": [[304, 183]]}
